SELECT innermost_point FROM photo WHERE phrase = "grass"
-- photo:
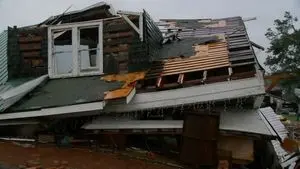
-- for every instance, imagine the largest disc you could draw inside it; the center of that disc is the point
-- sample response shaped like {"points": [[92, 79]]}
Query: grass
{"points": [[291, 117]]}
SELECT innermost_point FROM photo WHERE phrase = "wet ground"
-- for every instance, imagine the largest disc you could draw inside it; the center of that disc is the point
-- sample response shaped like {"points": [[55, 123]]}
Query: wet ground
{"points": [[53, 157]]}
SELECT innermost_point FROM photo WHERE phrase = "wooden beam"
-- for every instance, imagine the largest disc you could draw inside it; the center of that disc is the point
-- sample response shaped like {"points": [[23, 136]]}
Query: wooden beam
{"points": [[159, 82], [204, 75], [180, 78], [131, 23]]}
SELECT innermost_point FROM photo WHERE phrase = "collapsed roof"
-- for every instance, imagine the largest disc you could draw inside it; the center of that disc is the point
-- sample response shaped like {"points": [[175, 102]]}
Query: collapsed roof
{"points": [[203, 59], [239, 46]]}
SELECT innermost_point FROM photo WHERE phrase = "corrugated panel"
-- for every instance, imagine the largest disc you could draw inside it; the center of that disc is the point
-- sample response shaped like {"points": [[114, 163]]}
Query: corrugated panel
{"points": [[153, 36], [10, 97], [233, 28], [12, 84], [275, 124], [3, 57], [5, 87], [13, 54], [274, 121], [210, 56]]}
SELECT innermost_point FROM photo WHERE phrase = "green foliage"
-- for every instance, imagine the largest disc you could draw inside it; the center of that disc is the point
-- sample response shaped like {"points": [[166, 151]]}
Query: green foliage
{"points": [[284, 47], [284, 52]]}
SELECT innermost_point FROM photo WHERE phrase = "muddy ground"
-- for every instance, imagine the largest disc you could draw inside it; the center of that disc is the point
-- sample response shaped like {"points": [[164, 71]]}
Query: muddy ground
{"points": [[12, 156]]}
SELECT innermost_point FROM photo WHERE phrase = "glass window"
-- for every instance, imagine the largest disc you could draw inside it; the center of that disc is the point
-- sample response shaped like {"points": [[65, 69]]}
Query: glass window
{"points": [[89, 49], [75, 50], [62, 52]]}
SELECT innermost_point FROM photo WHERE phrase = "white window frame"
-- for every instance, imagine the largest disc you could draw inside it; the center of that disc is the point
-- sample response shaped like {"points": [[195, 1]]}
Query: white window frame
{"points": [[75, 49]]}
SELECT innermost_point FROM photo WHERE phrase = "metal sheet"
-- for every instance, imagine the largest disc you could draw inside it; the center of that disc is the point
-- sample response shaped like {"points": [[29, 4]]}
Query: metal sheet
{"points": [[3, 57], [274, 123], [10, 97], [108, 123], [245, 121]]}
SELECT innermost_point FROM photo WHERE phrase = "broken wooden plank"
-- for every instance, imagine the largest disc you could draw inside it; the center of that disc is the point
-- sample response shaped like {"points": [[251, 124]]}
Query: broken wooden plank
{"points": [[180, 78]]}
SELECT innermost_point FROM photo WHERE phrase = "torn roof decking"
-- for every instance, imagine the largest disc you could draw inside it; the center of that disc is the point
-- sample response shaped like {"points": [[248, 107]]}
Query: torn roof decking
{"points": [[64, 92], [96, 11], [203, 57], [239, 46]]}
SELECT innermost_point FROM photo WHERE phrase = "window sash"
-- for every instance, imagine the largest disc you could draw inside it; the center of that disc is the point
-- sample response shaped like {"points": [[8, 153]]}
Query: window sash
{"points": [[75, 28]]}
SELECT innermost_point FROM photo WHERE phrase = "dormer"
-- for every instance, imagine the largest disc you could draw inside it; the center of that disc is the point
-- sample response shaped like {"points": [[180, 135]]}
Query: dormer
{"points": [[120, 44]]}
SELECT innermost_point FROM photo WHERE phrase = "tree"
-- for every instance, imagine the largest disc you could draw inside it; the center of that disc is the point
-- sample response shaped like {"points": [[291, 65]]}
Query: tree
{"points": [[284, 45], [284, 51]]}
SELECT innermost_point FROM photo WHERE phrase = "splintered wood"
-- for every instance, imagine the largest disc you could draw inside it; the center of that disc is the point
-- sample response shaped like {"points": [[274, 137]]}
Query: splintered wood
{"points": [[129, 80], [210, 56]]}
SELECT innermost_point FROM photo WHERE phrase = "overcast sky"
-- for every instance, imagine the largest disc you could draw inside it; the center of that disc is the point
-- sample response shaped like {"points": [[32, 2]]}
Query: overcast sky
{"points": [[27, 12]]}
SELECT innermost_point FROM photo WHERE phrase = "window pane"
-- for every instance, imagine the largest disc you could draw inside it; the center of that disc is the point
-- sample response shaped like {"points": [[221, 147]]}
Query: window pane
{"points": [[88, 49], [62, 51]]}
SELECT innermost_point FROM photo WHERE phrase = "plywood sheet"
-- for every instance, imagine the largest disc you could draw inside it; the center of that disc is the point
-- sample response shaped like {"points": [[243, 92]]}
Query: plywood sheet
{"points": [[241, 148], [129, 80], [118, 93]]}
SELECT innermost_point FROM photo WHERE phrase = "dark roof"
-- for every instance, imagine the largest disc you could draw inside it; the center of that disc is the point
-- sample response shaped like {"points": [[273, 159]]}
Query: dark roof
{"points": [[99, 10], [13, 83], [63, 92], [239, 46], [183, 47]]}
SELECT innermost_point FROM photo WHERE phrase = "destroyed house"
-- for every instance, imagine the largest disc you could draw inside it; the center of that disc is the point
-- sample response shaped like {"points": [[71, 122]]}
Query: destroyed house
{"points": [[123, 63], [120, 39], [121, 74]]}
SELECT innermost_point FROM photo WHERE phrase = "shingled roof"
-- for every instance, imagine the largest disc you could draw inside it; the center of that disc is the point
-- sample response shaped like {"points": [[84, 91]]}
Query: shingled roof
{"points": [[239, 46]]}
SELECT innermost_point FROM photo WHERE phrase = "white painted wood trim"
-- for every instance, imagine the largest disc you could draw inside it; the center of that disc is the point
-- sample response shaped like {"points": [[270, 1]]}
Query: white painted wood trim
{"points": [[258, 101], [55, 111], [101, 47], [130, 96], [128, 13], [131, 23], [289, 162], [204, 75], [75, 49], [141, 26], [196, 94], [17, 139], [85, 23], [229, 71], [50, 55], [75, 54]]}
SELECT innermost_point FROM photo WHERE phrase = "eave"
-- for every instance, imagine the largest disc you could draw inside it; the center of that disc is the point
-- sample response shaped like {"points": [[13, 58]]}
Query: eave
{"points": [[63, 110], [190, 95]]}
